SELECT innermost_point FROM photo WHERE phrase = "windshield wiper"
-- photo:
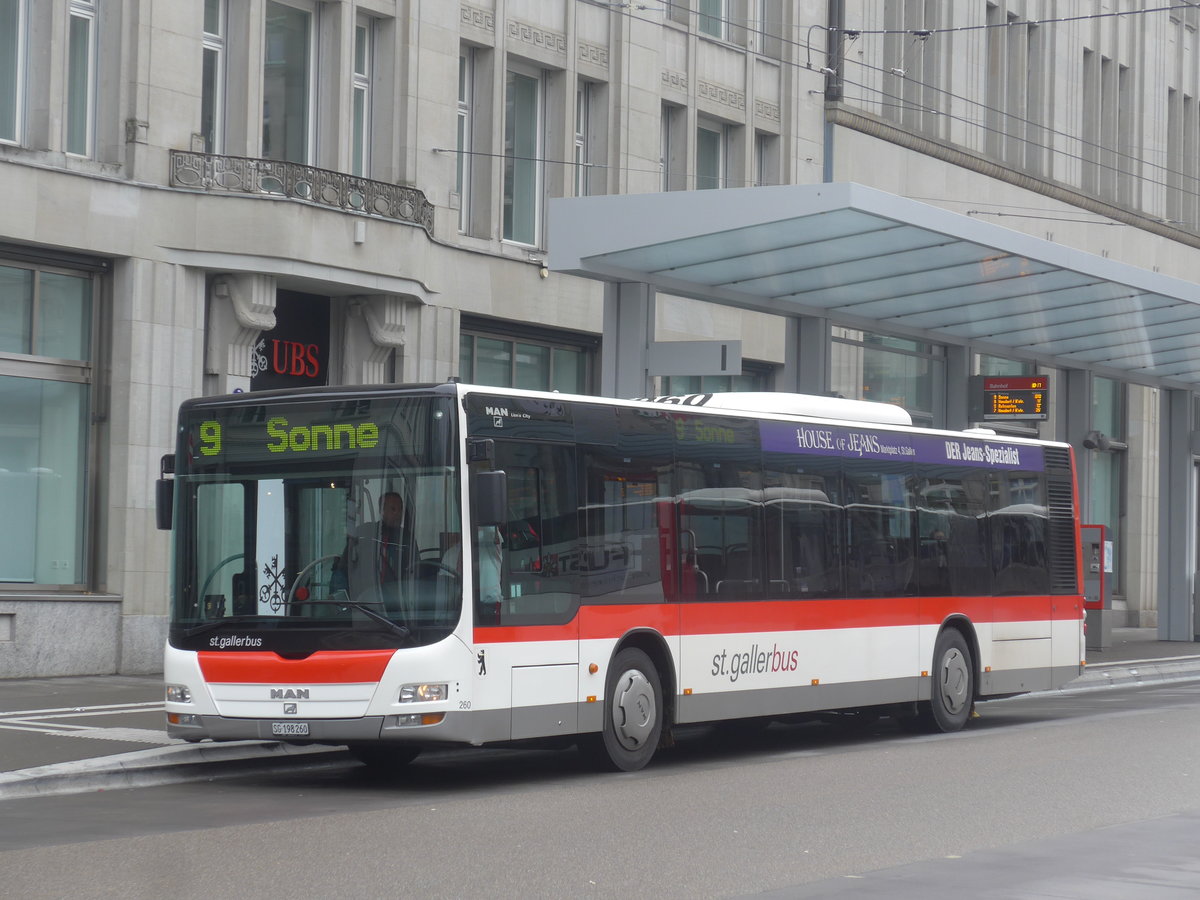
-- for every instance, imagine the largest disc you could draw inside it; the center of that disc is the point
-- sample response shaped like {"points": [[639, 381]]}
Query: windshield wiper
{"points": [[363, 608]]}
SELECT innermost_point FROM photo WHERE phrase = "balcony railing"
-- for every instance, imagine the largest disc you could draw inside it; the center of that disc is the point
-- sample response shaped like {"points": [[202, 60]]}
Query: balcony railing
{"points": [[244, 175]]}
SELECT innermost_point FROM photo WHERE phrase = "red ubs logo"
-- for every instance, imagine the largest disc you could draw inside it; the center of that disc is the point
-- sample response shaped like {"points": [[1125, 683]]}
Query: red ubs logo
{"points": [[294, 358]]}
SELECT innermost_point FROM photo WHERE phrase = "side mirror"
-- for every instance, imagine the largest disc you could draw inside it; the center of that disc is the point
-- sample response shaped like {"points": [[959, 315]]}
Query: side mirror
{"points": [[491, 498], [164, 494]]}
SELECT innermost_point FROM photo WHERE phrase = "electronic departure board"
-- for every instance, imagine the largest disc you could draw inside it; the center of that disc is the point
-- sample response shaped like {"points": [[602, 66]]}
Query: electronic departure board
{"points": [[998, 398]]}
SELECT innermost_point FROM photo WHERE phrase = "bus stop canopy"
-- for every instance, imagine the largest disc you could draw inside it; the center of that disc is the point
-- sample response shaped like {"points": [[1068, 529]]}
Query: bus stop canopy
{"points": [[869, 259]]}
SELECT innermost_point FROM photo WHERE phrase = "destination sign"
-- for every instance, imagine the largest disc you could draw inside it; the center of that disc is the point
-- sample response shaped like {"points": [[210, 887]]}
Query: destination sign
{"points": [[1010, 397], [261, 432]]}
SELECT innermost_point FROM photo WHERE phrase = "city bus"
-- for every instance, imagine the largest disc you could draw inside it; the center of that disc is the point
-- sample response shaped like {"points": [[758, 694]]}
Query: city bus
{"points": [[597, 572]]}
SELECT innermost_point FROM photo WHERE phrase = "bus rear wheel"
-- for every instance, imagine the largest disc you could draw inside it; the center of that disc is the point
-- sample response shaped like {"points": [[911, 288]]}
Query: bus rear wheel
{"points": [[952, 693], [633, 713]]}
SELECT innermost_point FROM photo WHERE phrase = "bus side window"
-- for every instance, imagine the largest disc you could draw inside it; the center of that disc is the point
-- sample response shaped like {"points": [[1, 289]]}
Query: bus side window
{"points": [[1018, 525], [539, 540], [952, 531], [804, 526], [880, 529], [718, 487]]}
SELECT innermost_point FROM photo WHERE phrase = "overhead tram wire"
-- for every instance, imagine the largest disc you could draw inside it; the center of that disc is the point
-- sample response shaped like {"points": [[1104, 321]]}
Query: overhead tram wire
{"points": [[925, 33], [854, 33], [1046, 129]]}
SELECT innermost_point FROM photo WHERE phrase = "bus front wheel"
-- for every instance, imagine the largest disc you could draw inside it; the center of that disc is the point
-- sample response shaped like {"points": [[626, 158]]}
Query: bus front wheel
{"points": [[952, 693], [633, 713]]}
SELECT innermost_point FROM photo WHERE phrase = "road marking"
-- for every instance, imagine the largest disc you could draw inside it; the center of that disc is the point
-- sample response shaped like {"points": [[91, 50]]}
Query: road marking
{"points": [[48, 722], [84, 710]]}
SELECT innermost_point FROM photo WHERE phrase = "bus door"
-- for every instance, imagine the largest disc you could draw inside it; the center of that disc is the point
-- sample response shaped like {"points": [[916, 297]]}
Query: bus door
{"points": [[535, 648]]}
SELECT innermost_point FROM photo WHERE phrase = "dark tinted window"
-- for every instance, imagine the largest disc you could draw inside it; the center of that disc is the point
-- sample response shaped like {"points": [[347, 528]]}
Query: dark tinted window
{"points": [[1018, 527], [627, 463], [880, 538], [804, 527], [718, 485], [952, 532], [539, 543]]}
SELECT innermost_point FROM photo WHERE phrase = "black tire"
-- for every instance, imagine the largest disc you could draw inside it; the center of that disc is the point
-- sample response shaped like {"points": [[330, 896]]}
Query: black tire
{"points": [[633, 713], [384, 758], [952, 693]]}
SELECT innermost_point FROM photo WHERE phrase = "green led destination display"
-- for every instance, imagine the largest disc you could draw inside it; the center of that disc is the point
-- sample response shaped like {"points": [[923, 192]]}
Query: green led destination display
{"points": [[283, 437], [285, 431]]}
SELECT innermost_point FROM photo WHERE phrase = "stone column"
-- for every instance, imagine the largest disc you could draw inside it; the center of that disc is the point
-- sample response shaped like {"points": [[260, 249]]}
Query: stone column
{"points": [[628, 331]]}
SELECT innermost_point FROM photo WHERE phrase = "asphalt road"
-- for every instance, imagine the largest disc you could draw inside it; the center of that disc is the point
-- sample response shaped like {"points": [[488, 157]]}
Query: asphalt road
{"points": [[1091, 795]]}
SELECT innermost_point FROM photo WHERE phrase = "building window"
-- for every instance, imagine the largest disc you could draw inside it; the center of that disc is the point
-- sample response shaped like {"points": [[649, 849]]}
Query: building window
{"points": [[547, 365], [287, 118], [1108, 132], [583, 132], [45, 373], [751, 379], [912, 87], [1108, 465], [999, 365], [768, 25], [12, 69], [212, 84], [907, 373], [1183, 160], [81, 78], [1016, 93], [766, 158], [364, 48], [523, 129], [466, 102], [711, 141], [712, 18], [673, 148]]}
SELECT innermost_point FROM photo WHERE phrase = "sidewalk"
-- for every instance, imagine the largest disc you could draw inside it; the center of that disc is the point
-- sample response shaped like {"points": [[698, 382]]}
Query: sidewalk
{"points": [[95, 732]]}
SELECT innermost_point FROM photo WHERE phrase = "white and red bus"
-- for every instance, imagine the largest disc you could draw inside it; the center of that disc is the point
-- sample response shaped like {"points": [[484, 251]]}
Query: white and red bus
{"points": [[395, 568]]}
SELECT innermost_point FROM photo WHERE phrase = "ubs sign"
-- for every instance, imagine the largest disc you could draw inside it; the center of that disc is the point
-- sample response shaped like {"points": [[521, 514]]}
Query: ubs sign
{"points": [[295, 353]]}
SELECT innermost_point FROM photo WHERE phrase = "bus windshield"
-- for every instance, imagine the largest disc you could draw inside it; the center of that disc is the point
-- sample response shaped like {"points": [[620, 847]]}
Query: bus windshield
{"points": [[316, 524]]}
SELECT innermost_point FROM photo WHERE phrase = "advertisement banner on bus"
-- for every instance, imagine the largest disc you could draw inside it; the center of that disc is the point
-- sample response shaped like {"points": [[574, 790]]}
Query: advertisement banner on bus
{"points": [[861, 443]]}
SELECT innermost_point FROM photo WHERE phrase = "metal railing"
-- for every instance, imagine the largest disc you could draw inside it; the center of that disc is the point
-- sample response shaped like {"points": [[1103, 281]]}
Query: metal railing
{"points": [[246, 175]]}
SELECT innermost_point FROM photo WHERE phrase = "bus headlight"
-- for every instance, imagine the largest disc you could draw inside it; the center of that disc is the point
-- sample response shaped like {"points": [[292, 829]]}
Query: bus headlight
{"points": [[423, 693], [179, 693]]}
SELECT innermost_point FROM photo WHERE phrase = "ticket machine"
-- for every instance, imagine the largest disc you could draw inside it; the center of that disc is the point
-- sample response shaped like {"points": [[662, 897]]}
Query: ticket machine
{"points": [[1097, 578]]}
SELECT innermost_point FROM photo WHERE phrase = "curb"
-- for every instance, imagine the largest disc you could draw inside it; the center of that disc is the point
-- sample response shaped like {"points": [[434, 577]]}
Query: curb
{"points": [[1129, 673], [174, 764]]}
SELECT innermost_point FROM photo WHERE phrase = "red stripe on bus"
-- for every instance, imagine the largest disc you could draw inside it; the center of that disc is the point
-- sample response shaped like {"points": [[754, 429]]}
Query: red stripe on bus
{"points": [[601, 622], [323, 667]]}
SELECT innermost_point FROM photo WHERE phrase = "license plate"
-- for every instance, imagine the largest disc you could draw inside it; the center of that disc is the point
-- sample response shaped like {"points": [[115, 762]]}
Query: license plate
{"points": [[289, 729]]}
